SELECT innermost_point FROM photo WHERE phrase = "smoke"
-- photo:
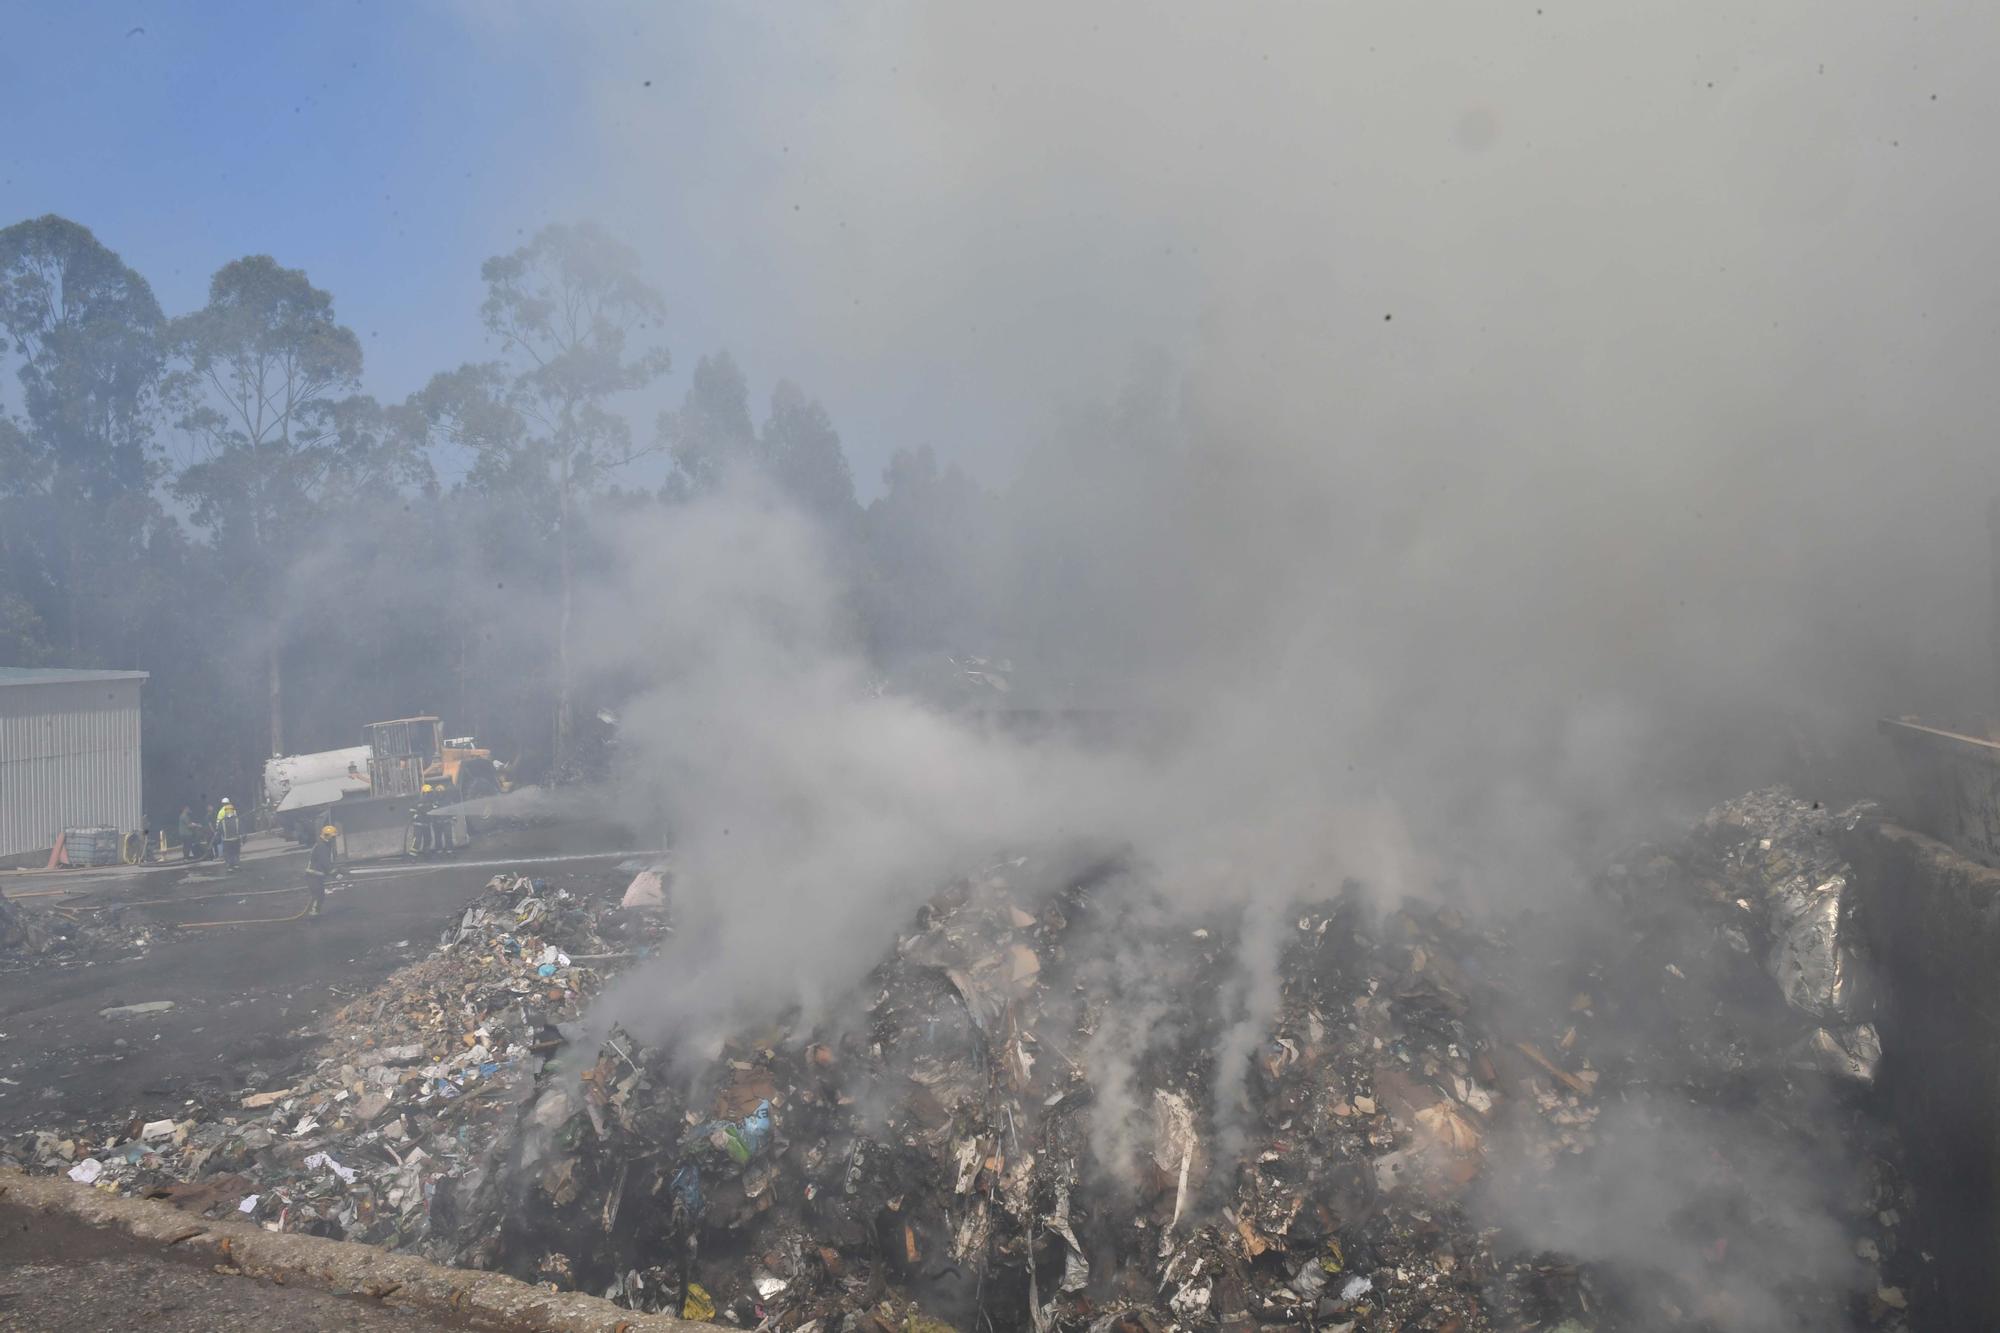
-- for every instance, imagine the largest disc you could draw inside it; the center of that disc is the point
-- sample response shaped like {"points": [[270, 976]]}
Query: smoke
{"points": [[1545, 422], [809, 812], [1536, 407], [1648, 1203]]}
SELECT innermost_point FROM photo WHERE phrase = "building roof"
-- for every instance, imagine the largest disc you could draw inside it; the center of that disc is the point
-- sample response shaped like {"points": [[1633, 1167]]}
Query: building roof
{"points": [[57, 676]]}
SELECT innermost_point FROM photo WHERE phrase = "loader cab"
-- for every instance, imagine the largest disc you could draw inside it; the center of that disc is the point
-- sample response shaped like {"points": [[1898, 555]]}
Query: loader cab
{"points": [[404, 750]]}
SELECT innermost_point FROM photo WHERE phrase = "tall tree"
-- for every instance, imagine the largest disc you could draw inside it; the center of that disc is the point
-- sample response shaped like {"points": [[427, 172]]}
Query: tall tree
{"points": [[803, 452], [798, 451], [566, 309], [264, 370], [928, 532], [76, 470], [712, 431]]}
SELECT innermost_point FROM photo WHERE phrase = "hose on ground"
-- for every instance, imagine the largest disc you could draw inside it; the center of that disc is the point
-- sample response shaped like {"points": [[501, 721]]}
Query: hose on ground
{"points": [[175, 902], [250, 921]]}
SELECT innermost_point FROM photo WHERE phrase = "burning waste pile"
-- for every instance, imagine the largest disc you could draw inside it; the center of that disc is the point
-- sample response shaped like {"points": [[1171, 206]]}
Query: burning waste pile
{"points": [[412, 1082], [1058, 1103]]}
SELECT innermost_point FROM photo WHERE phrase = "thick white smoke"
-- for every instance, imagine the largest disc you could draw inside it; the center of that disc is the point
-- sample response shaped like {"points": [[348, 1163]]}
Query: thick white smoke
{"points": [[810, 809], [1571, 418]]}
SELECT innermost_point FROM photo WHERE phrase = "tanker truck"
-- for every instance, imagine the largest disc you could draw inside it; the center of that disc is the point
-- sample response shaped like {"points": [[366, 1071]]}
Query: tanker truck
{"points": [[298, 788]]}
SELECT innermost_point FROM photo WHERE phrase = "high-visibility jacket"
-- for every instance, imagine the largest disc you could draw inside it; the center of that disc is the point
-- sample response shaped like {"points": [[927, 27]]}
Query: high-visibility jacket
{"points": [[226, 827]]}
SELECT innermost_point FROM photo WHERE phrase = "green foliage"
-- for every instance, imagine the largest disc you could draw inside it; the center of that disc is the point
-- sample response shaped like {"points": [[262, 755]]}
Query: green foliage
{"points": [[309, 541], [76, 468], [711, 433], [797, 451], [577, 326], [262, 366], [285, 448], [85, 328], [923, 533], [563, 308], [802, 449]]}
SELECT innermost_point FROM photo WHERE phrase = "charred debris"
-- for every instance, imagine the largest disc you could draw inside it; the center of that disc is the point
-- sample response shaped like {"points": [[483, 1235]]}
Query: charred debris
{"points": [[61, 937], [1058, 1102]]}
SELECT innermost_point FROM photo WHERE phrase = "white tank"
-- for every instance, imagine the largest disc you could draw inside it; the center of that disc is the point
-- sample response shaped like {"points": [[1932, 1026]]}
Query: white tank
{"points": [[295, 780]]}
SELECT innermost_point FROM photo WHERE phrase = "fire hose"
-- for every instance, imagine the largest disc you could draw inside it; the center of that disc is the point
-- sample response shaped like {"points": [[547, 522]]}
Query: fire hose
{"points": [[299, 915], [208, 898], [252, 921], [175, 902]]}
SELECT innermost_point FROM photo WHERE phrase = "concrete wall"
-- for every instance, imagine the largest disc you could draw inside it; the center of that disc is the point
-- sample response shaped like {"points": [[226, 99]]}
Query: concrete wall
{"points": [[1932, 918], [1951, 787], [69, 757]]}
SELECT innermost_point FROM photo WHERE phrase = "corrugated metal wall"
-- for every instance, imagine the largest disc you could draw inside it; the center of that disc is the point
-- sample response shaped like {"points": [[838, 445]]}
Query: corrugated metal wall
{"points": [[69, 757]]}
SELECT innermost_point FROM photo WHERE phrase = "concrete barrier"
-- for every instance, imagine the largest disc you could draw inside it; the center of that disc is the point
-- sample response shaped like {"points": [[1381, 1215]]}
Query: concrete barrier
{"points": [[1953, 786], [484, 1300]]}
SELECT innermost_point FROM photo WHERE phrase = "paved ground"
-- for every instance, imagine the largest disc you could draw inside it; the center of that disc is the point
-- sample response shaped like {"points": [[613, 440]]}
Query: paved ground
{"points": [[246, 998], [57, 1273]]}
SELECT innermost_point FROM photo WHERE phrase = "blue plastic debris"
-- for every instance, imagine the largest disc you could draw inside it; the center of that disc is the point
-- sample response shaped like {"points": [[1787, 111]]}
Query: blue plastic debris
{"points": [[757, 1128], [687, 1188], [741, 1139]]}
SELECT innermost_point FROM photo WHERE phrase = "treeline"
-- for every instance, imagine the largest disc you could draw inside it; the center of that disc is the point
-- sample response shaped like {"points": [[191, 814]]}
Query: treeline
{"points": [[211, 498]]}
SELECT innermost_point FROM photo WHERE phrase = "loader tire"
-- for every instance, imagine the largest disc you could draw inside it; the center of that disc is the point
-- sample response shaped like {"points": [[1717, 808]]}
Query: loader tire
{"points": [[476, 783]]}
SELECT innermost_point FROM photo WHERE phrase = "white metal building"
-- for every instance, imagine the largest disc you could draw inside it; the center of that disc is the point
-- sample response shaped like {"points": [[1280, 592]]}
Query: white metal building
{"points": [[69, 754]]}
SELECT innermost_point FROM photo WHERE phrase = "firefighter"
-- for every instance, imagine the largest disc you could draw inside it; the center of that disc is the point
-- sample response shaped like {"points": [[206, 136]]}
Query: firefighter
{"points": [[319, 869], [229, 832]]}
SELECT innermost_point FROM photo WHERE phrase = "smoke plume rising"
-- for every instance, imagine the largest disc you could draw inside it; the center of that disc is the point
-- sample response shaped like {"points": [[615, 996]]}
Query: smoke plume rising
{"points": [[1544, 423]]}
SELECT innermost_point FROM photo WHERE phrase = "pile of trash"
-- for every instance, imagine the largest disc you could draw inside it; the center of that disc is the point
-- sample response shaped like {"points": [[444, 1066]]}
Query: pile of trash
{"points": [[1058, 1103], [1771, 902], [42, 933], [17, 933], [413, 1082]]}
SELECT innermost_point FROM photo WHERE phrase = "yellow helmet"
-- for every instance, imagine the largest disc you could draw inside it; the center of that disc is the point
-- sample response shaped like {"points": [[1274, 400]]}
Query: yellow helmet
{"points": [[329, 832]]}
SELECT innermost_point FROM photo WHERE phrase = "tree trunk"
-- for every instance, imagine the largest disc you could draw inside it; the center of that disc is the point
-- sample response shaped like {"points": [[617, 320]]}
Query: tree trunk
{"points": [[75, 582], [562, 738], [472, 726], [277, 703]]}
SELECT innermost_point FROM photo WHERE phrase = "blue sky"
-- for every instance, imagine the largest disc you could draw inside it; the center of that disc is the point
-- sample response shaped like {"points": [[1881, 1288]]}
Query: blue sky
{"points": [[384, 148], [949, 222], [790, 177], [351, 140]]}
